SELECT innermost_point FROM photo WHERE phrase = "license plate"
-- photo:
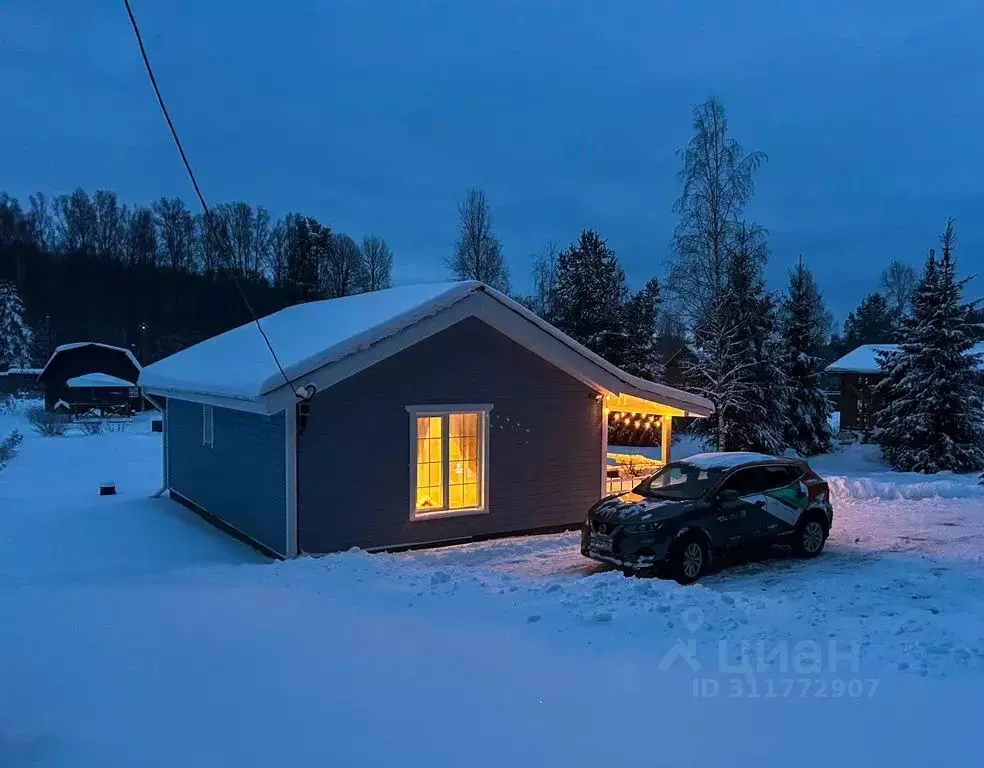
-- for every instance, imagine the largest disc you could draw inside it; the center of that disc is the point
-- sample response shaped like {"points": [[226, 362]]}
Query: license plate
{"points": [[600, 542]]}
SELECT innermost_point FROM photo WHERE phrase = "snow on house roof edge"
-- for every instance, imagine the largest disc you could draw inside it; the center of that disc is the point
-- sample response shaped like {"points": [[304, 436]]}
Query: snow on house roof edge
{"points": [[435, 298], [864, 359]]}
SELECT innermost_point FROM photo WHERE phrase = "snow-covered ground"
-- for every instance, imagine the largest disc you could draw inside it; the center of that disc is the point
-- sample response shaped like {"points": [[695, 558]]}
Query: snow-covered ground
{"points": [[131, 633]]}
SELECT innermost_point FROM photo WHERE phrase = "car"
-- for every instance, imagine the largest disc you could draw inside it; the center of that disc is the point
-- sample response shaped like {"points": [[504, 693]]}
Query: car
{"points": [[678, 519]]}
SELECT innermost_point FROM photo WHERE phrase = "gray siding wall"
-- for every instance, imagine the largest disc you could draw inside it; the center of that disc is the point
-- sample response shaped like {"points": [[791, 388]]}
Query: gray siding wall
{"points": [[241, 479], [354, 455]]}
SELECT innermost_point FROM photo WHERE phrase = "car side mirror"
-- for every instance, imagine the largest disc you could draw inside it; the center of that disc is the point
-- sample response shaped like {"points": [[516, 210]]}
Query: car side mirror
{"points": [[727, 495]]}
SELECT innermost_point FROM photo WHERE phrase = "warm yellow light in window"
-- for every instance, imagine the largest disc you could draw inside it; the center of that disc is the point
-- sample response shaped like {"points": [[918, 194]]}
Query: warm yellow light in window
{"points": [[463, 476], [448, 461], [430, 460]]}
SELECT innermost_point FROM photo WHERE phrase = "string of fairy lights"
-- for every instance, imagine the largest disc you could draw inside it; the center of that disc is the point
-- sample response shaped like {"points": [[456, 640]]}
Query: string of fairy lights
{"points": [[641, 421]]}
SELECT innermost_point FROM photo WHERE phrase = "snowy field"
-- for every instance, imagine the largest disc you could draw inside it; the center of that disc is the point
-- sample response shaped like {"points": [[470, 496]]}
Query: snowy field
{"points": [[133, 634]]}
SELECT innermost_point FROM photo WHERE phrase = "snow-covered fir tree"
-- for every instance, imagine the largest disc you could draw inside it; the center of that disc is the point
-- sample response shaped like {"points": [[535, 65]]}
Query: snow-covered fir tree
{"points": [[719, 369], [737, 360], [761, 413], [589, 295], [15, 334], [804, 325], [641, 317], [932, 418], [873, 322]]}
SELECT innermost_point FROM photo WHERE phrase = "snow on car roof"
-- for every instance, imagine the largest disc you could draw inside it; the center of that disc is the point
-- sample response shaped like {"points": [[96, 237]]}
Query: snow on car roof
{"points": [[98, 380], [726, 460]]}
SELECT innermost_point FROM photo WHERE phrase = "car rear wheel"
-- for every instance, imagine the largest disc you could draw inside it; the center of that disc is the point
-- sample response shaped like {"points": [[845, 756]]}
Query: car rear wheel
{"points": [[811, 536], [691, 559]]}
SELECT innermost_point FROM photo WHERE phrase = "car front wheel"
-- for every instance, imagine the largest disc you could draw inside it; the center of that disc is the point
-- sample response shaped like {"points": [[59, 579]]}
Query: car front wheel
{"points": [[691, 560], [810, 537]]}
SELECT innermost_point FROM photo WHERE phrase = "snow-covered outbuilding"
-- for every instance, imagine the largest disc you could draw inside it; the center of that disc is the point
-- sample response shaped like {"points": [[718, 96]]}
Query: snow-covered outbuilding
{"points": [[859, 372], [89, 375], [410, 416]]}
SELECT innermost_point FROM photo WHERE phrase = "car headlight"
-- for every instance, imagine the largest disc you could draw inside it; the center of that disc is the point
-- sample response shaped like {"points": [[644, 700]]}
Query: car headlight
{"points": [[643, 527]]}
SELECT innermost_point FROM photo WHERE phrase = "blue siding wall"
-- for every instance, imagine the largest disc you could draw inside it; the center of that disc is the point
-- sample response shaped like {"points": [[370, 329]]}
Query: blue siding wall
{"points": [[353, 471], [241, 479]]}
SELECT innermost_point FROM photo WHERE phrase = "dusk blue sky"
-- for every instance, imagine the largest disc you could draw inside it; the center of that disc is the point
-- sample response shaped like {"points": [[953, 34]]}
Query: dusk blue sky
{"points": [[375, 116]]}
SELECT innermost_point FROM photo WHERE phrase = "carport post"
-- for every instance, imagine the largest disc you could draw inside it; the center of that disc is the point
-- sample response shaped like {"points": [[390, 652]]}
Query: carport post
{"points": [[666, 435]]}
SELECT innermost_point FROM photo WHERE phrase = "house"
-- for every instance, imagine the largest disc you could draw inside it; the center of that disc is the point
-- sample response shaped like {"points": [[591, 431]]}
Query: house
{"points": [[90, 376], [411, 416], [859, 372]]}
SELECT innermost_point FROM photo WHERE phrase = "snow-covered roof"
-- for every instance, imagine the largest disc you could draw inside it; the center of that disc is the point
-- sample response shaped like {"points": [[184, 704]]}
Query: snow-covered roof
{"points": [[308, 337], [864, 359], [21, 372], [98, 380], [726, 460], [77, 344]]}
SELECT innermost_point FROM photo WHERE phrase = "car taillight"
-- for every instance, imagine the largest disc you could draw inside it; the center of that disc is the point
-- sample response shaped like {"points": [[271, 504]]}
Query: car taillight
{"points": [[816, 486]]}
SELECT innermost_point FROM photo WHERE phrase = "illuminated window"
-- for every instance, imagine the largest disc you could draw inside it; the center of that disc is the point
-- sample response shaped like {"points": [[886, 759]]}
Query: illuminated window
{"points": [[450, 449]]}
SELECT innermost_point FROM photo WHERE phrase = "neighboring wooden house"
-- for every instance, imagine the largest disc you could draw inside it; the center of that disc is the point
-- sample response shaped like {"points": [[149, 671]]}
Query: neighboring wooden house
{"points": [[427, 414], [89, 376], [859, 372]]}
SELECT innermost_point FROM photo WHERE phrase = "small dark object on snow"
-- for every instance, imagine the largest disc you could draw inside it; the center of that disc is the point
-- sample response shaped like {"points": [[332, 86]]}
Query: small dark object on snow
{"points": [[107, 489], [157, 425]]}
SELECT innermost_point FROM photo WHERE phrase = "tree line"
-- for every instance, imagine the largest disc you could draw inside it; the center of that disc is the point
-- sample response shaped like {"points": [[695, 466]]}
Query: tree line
{"points": [[157, 278]]}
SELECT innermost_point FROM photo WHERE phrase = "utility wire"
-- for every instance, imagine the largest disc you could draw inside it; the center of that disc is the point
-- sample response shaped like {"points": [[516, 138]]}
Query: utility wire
{"points": [[201, 198]]}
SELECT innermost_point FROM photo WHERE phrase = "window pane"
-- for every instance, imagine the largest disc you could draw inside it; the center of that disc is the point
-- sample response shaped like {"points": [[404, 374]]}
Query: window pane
{"points": [[430, 481], [463, 425], [455, 497]]}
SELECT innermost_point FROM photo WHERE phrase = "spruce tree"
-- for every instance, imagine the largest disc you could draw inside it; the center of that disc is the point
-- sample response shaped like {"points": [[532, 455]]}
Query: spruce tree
{"points": [[641, 314], [804, 332], [873, 322], [737, 357], [761, 413], [589, 296], [932, 419], [15, 335]]}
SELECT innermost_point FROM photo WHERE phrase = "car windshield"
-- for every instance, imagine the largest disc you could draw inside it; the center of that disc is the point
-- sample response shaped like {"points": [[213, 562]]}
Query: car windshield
{"points": [[680, 481]]}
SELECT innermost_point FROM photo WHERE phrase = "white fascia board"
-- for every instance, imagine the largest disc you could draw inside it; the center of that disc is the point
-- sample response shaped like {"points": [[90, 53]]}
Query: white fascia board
{"points": [[235, 403]]}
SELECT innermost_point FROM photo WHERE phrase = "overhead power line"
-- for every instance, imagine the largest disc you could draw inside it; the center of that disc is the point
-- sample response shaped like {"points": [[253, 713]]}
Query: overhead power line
{"points": [[201, 198]]}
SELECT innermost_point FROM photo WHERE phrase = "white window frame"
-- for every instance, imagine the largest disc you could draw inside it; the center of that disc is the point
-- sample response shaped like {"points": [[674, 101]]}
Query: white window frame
{"points": [[208, 426], [483, 410]]}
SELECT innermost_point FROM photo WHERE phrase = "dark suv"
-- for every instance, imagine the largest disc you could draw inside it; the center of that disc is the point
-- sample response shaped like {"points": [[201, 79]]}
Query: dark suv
{"points": [[677, 519]]}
